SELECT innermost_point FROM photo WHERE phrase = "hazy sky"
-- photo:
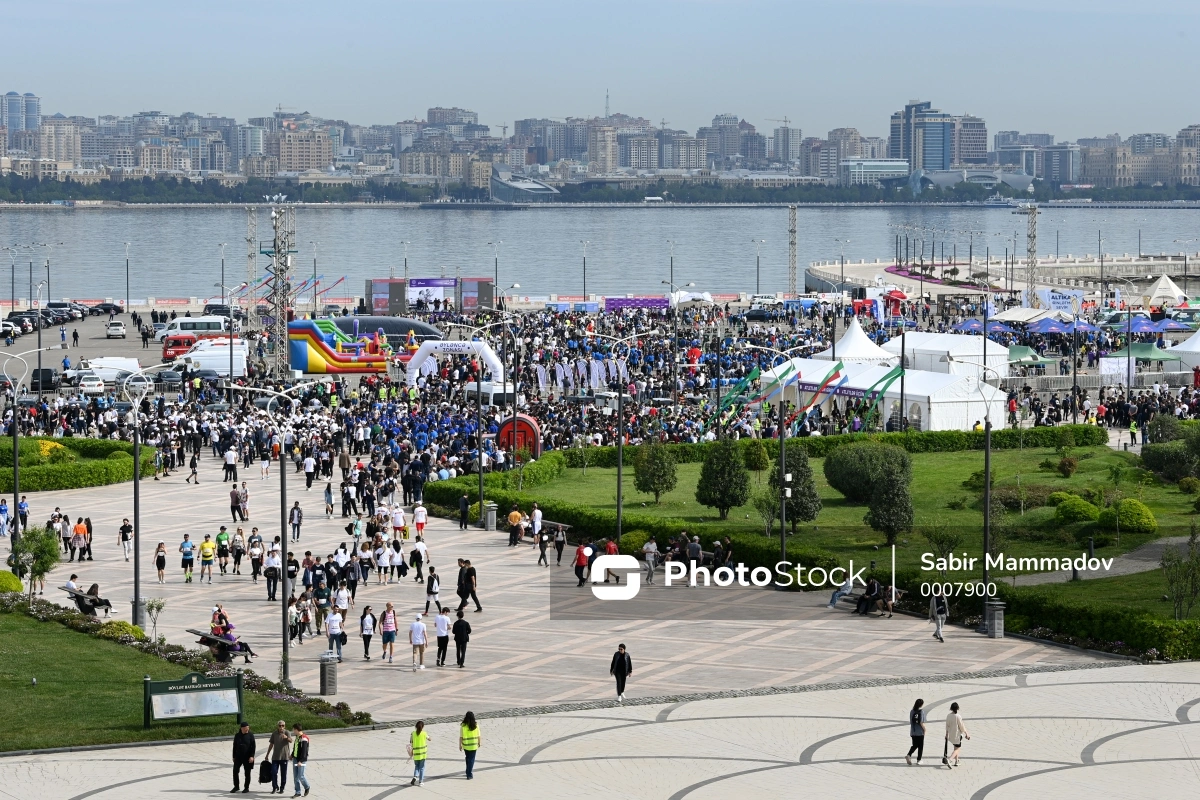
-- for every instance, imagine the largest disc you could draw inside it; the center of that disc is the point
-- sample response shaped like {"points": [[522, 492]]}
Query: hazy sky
{"points": [[1068, 67]]}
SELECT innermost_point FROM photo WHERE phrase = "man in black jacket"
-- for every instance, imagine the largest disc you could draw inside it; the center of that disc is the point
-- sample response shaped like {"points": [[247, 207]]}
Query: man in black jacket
{"points": [[243, 755], [464, 506], [621, 668], [461, 631]]}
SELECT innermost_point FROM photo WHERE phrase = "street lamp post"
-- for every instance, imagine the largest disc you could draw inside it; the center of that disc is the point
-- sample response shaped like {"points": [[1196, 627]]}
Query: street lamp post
{"points": [[585, 244], [285, 666], [314, 311], [842, 288], [495, 263], [16, 535], [675, 344], [758, 243], [127, 277]]}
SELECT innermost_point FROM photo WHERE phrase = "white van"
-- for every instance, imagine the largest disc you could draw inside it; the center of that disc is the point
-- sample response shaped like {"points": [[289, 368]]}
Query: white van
{"points": [[215, 359], [490, 394], [765, 301], [106, 368], [193, 325]]}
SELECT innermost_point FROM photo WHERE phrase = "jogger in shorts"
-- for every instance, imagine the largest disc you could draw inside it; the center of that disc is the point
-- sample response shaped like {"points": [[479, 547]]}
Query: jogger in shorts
{"points": [[387, 632], [418, 638]]}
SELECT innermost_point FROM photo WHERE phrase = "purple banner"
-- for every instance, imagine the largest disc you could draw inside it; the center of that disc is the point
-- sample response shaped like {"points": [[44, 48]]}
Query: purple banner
{"points": [[443, 282], [618, 303]]}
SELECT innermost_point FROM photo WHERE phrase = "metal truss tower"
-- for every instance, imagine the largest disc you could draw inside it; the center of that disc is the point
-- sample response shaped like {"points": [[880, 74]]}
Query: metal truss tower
{"points": [[792, 251], [280, 296], [253, 319], [1031, 247]]}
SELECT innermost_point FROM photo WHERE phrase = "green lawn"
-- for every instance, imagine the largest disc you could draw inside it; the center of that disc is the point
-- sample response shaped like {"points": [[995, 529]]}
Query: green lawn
{"points": [[1142, 591], [937, 483], [89, 691]]}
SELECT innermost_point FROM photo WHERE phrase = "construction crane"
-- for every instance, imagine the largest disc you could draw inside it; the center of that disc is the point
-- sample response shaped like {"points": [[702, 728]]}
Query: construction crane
{"points": [[503, 131], [787, 123]]}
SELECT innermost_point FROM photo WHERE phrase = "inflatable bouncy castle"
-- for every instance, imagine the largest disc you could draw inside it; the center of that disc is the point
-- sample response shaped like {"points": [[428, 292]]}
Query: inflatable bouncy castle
{"points": [[317, 346]]}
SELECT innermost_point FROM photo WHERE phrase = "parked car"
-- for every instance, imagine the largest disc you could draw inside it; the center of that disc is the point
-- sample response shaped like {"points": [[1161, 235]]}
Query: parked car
{"points": [[169, 377], [45, 379], [115, 329], [11, 328], [107, 308], [67, 308], [91, 384]]}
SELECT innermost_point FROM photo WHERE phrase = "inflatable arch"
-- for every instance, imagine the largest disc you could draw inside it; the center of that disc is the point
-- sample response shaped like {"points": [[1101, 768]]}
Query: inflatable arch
{"points": [[433, 347]]}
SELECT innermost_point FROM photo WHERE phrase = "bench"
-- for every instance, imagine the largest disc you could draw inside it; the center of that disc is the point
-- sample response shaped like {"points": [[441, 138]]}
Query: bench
{"points": [[86, 603], [223, 649]]}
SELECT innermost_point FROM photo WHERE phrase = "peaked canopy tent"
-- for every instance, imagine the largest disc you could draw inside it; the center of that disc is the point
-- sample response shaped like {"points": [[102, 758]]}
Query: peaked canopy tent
{"points": [[933, 401], [1027, 357], [1022, 315], [949, 353], [1164, 292], [855, 347]]}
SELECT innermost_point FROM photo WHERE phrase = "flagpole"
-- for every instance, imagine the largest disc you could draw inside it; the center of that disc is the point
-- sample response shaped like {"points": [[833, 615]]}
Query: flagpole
{"points": [[903, 370]]}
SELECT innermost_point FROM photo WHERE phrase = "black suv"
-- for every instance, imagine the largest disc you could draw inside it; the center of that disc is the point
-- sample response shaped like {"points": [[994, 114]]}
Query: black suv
{"points": [[45, 379]]}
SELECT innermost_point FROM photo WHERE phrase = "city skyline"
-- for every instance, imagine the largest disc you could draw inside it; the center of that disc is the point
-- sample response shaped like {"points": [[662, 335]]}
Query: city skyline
{"points": [[972, 65]]}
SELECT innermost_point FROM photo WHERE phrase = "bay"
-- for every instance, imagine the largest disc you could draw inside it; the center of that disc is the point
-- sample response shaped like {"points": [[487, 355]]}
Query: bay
{"points": [[175, 252]]}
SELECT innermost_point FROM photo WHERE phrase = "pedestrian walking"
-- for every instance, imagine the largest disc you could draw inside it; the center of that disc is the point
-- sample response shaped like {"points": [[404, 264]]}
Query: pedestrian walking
{"points": [[125, 537], [543, 543], [278, 750], [420, 517], [160, 561], [272, 571], [194, 465], [441, 629], [243, 755], [462, 635], [333, 627], [387, 631], [560, 541], [299, 759], [418, 637], [187, 551], [470, 581], [328, 501], [469, 741], [939, 610], [433, 587], [916, 730], [581, 562], [296, 519], [418, 748], [464, 507], [208, 551], [366, 629], [955, 731], [621, 668]]}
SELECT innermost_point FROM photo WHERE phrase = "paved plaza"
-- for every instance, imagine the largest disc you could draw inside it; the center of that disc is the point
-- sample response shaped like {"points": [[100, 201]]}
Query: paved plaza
{"points": [[518, 654], [1112, 732]]}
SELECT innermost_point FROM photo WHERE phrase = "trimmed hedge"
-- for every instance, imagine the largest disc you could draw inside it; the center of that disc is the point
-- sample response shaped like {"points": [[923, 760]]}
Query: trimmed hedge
{"points": [[1135, 517], [10, 582], [1076, 509], [820, 446], [98, 468], [1095, 625]]}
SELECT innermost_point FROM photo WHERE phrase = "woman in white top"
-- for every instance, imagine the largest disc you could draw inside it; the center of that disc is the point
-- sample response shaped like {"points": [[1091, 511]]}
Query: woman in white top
{"points": [[333, 627], [955, 731], [397, 561], [383, 563], [366, 628]]}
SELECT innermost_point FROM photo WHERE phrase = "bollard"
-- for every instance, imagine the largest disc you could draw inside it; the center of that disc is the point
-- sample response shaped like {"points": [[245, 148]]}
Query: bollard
{"points": [[1091, 547]]}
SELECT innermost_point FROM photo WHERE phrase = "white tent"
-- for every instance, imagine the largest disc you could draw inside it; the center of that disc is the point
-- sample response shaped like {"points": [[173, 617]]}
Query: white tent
{"points": [[951, 352], [1164, 292], [684, 299], [1188, 351], [933, 401], [1024, 316], [855, 347]]}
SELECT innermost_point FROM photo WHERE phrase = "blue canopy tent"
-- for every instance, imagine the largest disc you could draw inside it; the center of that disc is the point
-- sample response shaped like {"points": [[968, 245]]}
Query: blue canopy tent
{"points": [[1047, 325]]}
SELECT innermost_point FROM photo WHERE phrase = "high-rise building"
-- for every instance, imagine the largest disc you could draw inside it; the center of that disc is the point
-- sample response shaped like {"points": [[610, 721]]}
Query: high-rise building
{"points": [[1060, 163], [59, 140], [1016, 137], [12, 115], [752, 146], [451, 116], [679, 151], [969, 140], [33, 111], [1112, 140], [874, 147], [641, 152], [1188, 137], [1021, 158], [603, 153], [1141, 143], [922, 135], [304, 150], [847, 142], [786, 144]]}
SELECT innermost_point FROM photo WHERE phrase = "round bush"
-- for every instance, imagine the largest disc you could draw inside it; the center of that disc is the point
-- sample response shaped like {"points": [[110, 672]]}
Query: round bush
{"points": [[1134, 516], [1067, 466], [1076, 509], [1057, 497], [632, 542], [119, 455], [116, 628], [10, 582], [1189, 485], [853, 469]]}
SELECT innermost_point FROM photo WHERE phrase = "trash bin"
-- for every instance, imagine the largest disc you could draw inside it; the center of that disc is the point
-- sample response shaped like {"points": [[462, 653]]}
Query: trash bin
{"points": [[490, 516], [995, 619], [329, 673]]}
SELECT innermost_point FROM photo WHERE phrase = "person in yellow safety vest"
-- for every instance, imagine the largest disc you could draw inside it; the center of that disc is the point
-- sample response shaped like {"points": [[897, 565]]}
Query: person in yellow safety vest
{"points": [[469, 741], [1133, 431], [383, 394], [333, 400], [418, 746], [413, 395]]}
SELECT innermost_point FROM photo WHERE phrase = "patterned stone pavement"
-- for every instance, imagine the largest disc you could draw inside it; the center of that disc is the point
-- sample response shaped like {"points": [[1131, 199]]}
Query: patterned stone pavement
{"points": [[518, 655], [1118, 731]]}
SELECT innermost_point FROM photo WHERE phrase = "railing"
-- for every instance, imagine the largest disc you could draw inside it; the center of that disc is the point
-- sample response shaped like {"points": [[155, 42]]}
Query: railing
{"points": [[1063, 383]]}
